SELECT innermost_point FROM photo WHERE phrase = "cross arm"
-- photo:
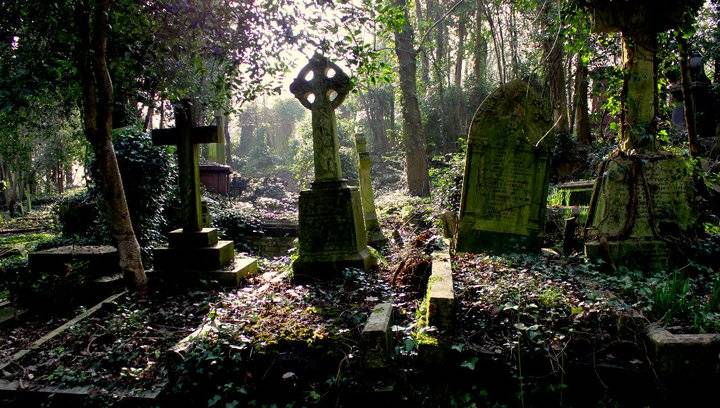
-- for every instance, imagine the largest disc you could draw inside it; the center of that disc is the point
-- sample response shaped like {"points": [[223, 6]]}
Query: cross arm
{"points": [[199, 135]]}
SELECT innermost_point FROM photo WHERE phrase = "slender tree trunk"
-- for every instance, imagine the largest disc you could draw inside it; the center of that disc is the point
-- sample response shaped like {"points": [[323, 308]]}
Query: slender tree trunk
{"points": [[150, 112], [162, 113], [228, 141], [97, 117], [415, 155], [554, 72], [460, 56], [688, 100], [480, 51], [424, 61], [496, 44], [582, 117]]}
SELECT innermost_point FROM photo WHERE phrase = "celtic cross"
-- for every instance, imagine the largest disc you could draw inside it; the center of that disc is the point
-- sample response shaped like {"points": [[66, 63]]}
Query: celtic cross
{"points": [[321, 86]]}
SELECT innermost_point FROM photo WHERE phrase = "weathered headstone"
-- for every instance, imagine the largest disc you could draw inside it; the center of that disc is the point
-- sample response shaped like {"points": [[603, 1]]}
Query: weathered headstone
{"points": [[642, 195], [194, 247], [331, 228], [375, 236], [504, 193]]}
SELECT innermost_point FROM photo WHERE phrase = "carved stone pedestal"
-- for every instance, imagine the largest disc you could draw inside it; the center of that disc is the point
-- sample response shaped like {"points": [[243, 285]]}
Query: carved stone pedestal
{"points": [[641, 203], [332, 232]]}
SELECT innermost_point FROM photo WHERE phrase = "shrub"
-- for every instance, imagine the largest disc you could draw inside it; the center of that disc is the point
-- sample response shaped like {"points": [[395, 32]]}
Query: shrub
{"points": [[149, 180]]}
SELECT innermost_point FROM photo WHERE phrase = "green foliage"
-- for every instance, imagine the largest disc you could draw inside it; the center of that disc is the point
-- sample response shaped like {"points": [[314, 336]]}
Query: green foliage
{"points": [[446, 177], [303, 163], [236, 222], [149, 180]]}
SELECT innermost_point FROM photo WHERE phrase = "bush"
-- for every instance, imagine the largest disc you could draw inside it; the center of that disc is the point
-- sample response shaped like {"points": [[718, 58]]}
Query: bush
{"points": [[446, 177], [149, 179], [236, 222]]}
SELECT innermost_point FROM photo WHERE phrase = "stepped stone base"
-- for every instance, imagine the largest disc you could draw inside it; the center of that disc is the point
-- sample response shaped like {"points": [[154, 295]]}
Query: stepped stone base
{"points": [[200, 254], [332, 231]]}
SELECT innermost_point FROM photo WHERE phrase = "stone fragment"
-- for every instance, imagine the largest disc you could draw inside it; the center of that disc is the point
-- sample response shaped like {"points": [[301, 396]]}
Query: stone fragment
{"points": [[375, 235], [505, 185], [440, 293], [377, 335]]}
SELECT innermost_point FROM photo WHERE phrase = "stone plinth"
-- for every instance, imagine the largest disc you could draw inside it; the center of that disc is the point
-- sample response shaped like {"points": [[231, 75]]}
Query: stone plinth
{"points": [[331, 231], [502, 207], [200, 253], [639, 200], [215, 177]]}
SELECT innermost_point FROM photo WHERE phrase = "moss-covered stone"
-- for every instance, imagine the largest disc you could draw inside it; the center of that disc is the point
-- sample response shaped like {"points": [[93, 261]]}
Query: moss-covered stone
{"points": [[637, 204], [506, 172], [332, 232]]}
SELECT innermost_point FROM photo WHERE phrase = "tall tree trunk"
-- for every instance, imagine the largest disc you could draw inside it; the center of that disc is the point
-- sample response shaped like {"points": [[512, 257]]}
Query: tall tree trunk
{"points": [[460, 56], [415, 156], [480, 50], [162, 113], [97, 93], [150, 112], [582, 117], [424, 61], [689, 101], [496, 43], [554, 71], [228, 141]]}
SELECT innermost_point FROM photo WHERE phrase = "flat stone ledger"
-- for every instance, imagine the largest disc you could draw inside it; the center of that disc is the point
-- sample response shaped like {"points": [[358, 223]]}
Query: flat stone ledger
{"points": [[215, 177], [506, 178], [638, 201], [331, 231]]}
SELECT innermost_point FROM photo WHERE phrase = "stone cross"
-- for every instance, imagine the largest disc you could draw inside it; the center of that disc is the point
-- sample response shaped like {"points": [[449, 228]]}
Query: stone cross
{"points": [[187, 138], [321, 86]]}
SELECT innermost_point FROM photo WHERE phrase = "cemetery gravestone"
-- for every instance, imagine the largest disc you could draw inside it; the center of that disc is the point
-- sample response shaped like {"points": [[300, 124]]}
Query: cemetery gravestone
{"points": [[642, 195], [372, 226], [331, 228], [504, 191], [194, 247]]}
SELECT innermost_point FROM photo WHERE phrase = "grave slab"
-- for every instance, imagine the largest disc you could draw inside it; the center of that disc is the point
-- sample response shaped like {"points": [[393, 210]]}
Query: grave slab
{"points": [[377, 334]]}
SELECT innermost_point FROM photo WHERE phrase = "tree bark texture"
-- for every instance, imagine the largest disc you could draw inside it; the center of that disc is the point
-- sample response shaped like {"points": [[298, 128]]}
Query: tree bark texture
{"points": [[415, 155], [582, 116], [98, 119]]}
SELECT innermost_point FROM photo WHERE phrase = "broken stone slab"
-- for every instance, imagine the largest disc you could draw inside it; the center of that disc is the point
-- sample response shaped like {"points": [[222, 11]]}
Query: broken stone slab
{"points": [[680, 354], [21, 393], [440, 293], [9, 313], [377, 334]]}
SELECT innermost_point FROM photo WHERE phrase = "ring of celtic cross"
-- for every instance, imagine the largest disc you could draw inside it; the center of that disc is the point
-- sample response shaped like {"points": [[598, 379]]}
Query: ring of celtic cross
{"points": [[321, 86]]}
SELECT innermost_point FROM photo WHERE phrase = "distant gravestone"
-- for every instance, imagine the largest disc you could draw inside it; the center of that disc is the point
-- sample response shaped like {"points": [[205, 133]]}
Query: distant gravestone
{"points": [[505, 186]]}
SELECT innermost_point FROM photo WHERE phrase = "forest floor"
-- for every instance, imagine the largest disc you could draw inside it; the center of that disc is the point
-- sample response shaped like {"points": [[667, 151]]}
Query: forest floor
{"points": [[529, 330]]}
